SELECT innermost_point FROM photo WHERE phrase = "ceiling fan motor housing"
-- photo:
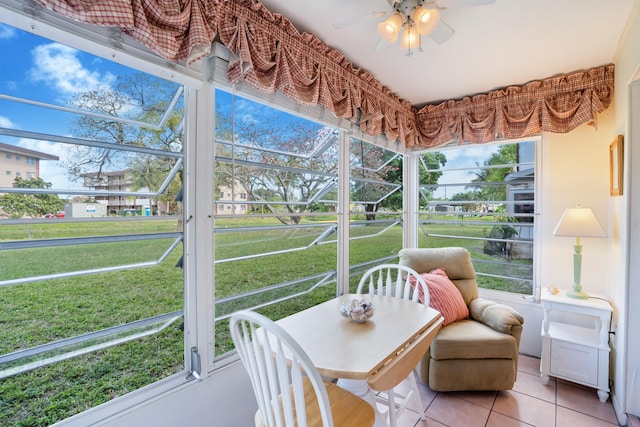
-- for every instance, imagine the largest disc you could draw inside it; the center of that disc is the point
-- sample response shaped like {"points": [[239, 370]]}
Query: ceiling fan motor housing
{"points": [[406, 7]]}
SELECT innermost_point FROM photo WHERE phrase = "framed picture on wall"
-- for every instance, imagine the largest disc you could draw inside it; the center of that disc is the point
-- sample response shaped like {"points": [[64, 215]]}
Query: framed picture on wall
{"points": [[616, 165]]}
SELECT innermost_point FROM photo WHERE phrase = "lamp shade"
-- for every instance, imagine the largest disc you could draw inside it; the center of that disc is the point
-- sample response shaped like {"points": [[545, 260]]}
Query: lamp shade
{"points": [[579, 222], [390, 28], [410, 38], [425, 19]]}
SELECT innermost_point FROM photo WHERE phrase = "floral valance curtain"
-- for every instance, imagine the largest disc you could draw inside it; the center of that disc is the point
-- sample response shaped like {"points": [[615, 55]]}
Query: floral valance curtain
{"points": [[271, 55]]}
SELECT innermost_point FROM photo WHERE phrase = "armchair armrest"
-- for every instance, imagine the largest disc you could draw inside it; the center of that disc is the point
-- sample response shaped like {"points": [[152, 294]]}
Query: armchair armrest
{"points": [[499, 317]]}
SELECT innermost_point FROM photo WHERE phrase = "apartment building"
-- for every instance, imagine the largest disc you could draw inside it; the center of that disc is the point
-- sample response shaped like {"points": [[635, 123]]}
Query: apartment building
{"points": [[118, 182], [230, 203], [17, 162]]}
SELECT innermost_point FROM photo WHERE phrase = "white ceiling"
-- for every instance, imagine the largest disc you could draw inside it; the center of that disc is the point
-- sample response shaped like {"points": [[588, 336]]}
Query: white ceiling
{"points": [[509, 42]]}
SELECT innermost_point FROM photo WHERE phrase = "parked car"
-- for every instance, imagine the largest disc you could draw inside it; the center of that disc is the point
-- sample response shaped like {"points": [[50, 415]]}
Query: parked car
{"points": [[129, 212], [60, 214], [49, 215]]}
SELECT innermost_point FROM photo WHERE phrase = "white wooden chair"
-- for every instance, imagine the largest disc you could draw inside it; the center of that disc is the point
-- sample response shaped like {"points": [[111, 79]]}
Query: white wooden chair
{"points": [[289, 390], [395, 280]]}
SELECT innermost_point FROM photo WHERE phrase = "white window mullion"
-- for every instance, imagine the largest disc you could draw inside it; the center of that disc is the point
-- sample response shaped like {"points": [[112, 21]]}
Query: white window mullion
{"points": [[344, 200], [198, 224], [410, 200]]}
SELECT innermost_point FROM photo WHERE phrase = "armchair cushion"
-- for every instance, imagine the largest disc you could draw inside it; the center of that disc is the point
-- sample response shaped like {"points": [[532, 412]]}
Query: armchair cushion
{"points": [[455, 261], [471, 340], [444, 296], [498, 317]]}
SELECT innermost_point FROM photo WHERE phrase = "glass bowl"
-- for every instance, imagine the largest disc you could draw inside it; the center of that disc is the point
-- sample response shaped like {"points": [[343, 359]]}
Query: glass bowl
{"points": [[357, 310]]}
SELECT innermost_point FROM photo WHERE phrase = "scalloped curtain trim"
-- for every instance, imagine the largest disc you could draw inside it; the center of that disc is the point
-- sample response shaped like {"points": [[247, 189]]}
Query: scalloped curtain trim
{"points": [[558, 104], [271, 55]]}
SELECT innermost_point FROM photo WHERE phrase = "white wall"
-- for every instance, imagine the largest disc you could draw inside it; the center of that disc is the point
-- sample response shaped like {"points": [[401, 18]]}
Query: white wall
{"points": [[575, 171], [531, 310], [224, 399], [624, 271], [628, 378]]}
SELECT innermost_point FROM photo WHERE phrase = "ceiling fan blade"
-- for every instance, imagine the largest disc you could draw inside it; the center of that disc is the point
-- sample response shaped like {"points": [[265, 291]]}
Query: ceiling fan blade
{"points": [[338, 25], [442, 33], [381, 45]]}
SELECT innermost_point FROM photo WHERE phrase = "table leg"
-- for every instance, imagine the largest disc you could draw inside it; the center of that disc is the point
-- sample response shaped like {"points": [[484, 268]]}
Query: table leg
{"points": [[361, 389]]}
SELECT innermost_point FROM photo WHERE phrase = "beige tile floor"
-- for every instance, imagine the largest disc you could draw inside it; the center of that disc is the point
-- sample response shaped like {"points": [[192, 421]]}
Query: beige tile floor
{"points": [[530, 403]]}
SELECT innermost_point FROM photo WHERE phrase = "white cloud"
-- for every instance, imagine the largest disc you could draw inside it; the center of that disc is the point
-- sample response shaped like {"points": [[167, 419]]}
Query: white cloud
{"points": [[7, 32], [5, 122], [470, 155], [51, 170], [458, 157], [58, 65]]}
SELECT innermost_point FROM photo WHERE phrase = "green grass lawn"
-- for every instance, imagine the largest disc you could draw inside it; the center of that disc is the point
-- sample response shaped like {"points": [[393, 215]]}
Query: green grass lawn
{"points": [[36, 313]]}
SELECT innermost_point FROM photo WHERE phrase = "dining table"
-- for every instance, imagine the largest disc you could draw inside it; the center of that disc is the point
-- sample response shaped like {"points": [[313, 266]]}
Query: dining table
{"points": [[352, 352]]}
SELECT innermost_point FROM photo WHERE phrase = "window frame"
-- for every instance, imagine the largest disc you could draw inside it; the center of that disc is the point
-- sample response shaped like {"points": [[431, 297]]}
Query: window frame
{"points": [[99, 41], [412, 227]]}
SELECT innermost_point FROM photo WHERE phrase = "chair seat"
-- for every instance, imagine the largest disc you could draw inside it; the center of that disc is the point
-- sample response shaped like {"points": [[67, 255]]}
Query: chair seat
{"points": [[347, 409], [468, 339]]}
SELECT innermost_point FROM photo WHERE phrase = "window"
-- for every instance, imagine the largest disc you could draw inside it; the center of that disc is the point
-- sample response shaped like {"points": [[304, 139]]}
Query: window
{"points": [[376, 207], [482, 197], [88, 297], [8, 173], [18, 174], [104, 242], [8, 156], [31, 161], [275, 243]]}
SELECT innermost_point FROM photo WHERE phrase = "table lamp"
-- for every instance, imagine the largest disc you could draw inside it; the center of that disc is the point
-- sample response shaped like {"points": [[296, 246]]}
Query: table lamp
{"points": [[578, 222]]}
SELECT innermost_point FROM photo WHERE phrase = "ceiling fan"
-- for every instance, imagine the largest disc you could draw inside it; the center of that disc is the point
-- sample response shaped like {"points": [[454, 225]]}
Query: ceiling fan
{"points": [[411, 19]]}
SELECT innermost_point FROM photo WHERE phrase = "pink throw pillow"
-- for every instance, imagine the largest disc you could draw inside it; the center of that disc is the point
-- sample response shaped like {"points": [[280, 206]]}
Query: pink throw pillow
{"points": [[444, 296]]}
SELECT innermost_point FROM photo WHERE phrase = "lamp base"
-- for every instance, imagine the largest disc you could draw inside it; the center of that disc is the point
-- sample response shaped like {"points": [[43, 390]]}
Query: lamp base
{"points": [[577, 294]]}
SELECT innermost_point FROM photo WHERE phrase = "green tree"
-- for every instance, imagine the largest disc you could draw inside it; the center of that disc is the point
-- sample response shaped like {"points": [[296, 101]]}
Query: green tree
{"points": [[429, 175], [263, 163], [136, 99], [495, 169], [468, 196], [150, 172], [30, 204], [373, 169]]}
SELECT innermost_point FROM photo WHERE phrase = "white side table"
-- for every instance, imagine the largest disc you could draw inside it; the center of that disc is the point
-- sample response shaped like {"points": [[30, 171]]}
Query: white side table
{"points": [[573, 350]]}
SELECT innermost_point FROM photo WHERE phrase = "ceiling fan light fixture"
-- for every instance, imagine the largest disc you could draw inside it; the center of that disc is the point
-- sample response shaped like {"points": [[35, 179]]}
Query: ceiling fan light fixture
{"points": [[425, 19], [390, 28], [411, 39]]}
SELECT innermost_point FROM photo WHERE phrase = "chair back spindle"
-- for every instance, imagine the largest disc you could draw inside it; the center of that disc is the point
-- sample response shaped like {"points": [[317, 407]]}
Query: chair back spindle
{"points": [[279, 370], [394, 280]]}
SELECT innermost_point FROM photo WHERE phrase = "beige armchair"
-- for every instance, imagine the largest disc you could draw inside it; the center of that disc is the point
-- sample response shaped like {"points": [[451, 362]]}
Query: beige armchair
{"points": [[478, 353]]}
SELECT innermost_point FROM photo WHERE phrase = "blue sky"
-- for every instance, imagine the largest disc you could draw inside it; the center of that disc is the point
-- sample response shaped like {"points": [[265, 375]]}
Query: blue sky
{"points": [[38, 69]]}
